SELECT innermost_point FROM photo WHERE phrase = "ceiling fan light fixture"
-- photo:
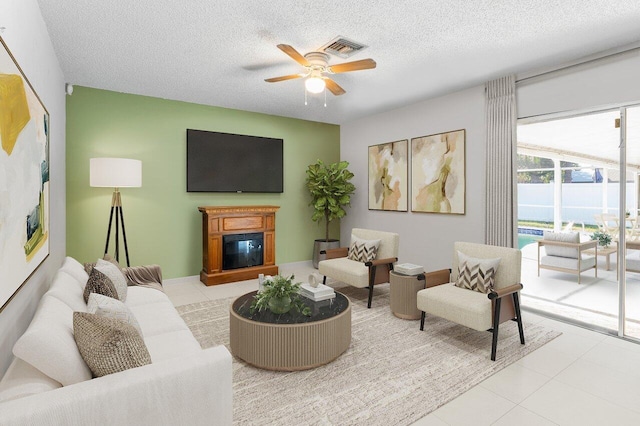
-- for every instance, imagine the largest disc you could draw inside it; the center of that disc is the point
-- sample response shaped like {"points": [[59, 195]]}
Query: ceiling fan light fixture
{"points": [[314, 84]]}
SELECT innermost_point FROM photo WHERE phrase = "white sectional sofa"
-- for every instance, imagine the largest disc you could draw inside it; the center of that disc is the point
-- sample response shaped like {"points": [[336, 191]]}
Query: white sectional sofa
{"points": [[48, 382]]}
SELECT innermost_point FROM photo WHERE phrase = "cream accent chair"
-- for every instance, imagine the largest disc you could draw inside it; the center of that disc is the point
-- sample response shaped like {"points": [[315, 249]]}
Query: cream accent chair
{"points": [[479, 311], [565, 253], [358, 274]]}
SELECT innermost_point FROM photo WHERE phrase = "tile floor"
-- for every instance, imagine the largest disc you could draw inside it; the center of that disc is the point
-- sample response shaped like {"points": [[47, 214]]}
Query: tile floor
{"points": [[580, 378]]}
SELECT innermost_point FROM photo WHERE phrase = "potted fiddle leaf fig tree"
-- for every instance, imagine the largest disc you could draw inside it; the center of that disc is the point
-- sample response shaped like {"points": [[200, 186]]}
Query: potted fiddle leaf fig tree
{"points": [[331, 190]]}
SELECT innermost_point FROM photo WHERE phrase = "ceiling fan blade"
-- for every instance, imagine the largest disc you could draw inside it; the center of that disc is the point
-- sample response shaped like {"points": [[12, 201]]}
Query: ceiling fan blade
{"points": [[294, 54], [334, 87], [363, 64], [283, 78]]}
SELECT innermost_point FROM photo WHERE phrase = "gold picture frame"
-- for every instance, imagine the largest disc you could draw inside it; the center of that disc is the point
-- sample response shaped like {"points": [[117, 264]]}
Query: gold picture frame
{"points": [[438, 173], [388, 175], [24, 166]]}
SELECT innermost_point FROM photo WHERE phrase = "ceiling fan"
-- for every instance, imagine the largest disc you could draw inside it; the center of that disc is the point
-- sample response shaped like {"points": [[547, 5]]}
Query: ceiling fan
{"points": [[318, 70]]}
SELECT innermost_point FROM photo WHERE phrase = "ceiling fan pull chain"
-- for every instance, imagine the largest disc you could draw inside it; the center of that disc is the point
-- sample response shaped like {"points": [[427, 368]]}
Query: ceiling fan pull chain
{"points": [[325, 97], [305, 96]]}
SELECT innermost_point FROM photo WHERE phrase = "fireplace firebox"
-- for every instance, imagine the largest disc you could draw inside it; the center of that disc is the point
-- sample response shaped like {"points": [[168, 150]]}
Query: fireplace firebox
{"points": [[241, 250]]}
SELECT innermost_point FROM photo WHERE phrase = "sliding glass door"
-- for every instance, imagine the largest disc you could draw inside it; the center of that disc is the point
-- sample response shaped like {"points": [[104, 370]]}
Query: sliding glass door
{"points": [[579, 174]]}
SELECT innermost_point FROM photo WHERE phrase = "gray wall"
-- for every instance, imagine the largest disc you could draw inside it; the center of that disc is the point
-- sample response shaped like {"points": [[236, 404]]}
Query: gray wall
{"points": [[425, 239], [27, 38]]}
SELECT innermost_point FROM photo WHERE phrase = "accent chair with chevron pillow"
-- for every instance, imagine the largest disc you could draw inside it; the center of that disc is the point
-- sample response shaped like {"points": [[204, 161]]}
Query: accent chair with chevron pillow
{"points": [[476, 274], [365, 262], [475, 267], [363, 250]]}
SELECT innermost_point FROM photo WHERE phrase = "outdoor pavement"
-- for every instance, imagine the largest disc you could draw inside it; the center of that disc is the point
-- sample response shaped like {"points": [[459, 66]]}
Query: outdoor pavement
{"points": [[594, 301]]}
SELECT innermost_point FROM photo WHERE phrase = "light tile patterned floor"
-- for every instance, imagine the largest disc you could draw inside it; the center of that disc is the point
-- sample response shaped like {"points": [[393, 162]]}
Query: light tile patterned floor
{"points": [[580, 378]]}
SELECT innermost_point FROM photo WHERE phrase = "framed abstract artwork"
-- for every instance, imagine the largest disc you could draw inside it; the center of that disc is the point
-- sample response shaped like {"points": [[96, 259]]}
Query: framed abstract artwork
{"points": [[388, 164], [24, 178], [438, 173]]}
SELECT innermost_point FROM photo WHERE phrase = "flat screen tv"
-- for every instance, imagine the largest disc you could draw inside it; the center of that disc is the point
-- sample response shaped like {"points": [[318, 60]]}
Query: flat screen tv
{"points": [[224, 162]]}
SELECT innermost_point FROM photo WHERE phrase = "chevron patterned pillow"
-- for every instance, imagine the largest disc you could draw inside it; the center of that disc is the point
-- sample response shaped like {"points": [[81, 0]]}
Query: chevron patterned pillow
{"points": [[363, 250], [476, 274]]}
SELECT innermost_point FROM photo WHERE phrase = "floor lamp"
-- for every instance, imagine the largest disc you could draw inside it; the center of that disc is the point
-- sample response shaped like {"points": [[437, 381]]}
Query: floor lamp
{"points": [[116, 173]]}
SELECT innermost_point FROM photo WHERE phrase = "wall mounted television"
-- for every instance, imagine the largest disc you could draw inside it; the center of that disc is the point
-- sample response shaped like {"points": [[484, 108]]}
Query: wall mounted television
{"points": [[225, 162]]}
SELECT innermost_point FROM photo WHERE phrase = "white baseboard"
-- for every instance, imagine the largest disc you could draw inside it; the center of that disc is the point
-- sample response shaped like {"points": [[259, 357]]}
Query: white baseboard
{"points": [[196, 278]]}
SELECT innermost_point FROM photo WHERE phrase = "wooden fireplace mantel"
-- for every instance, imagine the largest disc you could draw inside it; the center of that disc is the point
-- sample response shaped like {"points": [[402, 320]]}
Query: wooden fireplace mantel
{"points": [[225, 220]]}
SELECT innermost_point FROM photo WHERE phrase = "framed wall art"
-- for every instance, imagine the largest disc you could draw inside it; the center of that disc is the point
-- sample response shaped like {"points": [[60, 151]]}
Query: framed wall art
{"points": [[24, 178], [438, 173], [388, 176]]}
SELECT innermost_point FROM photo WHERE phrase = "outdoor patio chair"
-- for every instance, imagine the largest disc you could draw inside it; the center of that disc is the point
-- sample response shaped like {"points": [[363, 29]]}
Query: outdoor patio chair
{"points": [[608, 223], [346, 264], [481, 306], [633, 233], [565, 253]]}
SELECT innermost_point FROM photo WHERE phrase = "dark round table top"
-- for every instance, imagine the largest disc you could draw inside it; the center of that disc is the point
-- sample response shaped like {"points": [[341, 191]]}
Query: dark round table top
{"points": [[319, 310]]}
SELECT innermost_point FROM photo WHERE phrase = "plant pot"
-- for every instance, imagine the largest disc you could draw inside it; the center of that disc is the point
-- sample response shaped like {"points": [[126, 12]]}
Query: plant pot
{"points": [[280, 305], [320, 245]]}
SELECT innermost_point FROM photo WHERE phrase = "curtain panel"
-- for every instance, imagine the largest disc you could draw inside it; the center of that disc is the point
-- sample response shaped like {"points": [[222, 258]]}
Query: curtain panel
{"points": [[501, 221]]}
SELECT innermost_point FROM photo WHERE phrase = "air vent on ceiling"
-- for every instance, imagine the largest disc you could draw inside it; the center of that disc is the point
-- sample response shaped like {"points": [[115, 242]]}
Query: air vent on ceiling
{"points": [[342, 47]]}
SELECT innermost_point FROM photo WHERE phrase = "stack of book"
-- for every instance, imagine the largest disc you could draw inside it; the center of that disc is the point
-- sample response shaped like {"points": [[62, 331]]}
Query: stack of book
{"points": [[321, 292], [408, 269]]}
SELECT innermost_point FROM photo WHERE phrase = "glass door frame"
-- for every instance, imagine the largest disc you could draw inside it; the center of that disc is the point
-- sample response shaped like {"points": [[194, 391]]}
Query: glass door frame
{"points": [[621, 253], [622, 238]]}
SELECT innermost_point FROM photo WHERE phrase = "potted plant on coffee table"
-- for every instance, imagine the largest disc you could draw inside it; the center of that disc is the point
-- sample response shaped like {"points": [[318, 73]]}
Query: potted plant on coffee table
{"points": [[331, 190], [279, 295]]}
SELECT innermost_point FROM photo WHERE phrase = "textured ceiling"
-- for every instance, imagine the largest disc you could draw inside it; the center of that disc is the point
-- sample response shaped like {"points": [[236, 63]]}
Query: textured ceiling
{"points": [[219, 52]]}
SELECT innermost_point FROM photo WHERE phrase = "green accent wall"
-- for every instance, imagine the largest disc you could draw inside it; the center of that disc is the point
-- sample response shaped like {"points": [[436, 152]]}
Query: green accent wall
{"points": [[162, 221]]}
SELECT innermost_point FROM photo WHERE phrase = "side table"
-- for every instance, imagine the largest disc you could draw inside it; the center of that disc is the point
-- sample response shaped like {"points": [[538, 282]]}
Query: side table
{"points": [[402, 294]]}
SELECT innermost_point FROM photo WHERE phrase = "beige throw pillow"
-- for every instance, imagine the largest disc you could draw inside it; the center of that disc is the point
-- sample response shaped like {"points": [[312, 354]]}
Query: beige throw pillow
{"points": [[476, 274], [99, 283], [115, 275], [108, 345], [363, 250], [111, 308]]}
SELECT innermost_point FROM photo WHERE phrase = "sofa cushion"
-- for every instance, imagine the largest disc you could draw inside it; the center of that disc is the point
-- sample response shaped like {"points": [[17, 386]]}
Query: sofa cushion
{"points": [[587, 262], [49, 346], [23, 379], [633, 260], [158, 318], [362, 250], [115, 275], [112, 308], [108, 345], [565, 237], [99, 283], [469, 308], [66, 288], [173, 344], [137, 295], [476, 274], [76, 270]]}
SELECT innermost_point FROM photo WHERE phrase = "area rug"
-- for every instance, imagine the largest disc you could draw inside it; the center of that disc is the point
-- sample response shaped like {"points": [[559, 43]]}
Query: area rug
{"points": [[392, 374]]}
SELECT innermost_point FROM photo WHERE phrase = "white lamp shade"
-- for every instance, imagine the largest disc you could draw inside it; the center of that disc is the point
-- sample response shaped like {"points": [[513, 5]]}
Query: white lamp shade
{"points": [[314, 84], [115, 172]]}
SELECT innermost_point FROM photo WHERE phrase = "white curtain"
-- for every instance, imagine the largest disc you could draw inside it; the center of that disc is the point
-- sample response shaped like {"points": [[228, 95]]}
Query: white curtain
{"points": [[501, 222]]}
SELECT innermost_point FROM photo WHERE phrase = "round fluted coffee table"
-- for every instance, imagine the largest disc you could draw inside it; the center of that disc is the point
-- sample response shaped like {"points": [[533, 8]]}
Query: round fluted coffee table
{"points": [[290, 341]]}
